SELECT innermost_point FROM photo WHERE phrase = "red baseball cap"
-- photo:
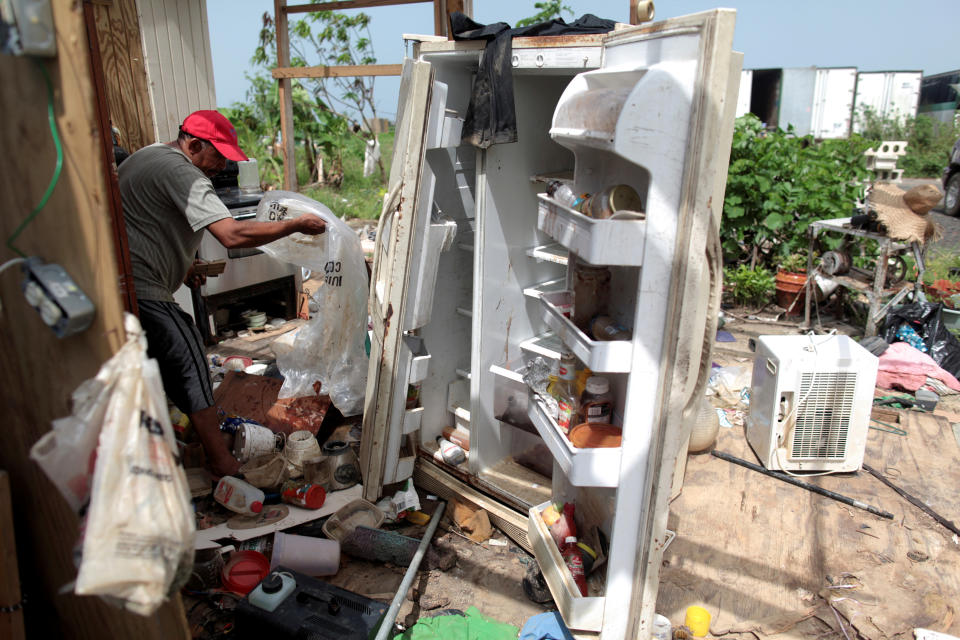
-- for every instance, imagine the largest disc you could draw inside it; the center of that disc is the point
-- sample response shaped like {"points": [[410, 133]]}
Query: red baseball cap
{"points": [[213, 127]]}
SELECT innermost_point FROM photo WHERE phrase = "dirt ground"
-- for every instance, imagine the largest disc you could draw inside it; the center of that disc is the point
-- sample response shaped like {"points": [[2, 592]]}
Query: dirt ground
{"points": [[459, 573]]}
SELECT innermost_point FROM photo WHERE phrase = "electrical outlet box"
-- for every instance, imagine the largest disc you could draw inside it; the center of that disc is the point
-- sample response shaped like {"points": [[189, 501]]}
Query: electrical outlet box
{"points": [[26, 28], [50, 290]]}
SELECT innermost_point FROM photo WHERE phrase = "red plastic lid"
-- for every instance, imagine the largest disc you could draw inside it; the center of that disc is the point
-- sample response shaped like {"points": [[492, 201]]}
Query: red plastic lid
{"points": [[256, 506], [244, 570], [316, 496]]}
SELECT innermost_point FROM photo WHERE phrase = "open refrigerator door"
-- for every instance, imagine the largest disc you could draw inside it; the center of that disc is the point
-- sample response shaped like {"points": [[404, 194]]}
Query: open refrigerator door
{"points": [[650, 107]]}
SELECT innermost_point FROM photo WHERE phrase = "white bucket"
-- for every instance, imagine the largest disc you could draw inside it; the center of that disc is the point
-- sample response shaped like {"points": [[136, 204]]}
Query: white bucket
{"points": [[312, 556], [301, 446], [253, 440]]}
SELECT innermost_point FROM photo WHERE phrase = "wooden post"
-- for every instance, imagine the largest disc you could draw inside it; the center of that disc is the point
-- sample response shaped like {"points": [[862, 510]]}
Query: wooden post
{"points": [[441, 14], [285, 96], [11, 624]]}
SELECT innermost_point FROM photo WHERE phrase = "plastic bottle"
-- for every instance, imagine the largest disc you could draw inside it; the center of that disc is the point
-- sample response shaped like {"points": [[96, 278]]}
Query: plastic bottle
{"points": [[605, 328], [449, 452], [564, 525], [237, 495], [565, 392], [304, 494], [564, 194], [596, 402], [574, 561]]}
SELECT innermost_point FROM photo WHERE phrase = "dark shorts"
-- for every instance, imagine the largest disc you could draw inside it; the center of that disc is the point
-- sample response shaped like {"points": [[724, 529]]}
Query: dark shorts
{"points": [[175, 342]]}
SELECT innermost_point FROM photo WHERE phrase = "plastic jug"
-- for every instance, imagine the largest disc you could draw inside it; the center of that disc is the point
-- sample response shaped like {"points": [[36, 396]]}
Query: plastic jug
{"points": [[239, 496]]}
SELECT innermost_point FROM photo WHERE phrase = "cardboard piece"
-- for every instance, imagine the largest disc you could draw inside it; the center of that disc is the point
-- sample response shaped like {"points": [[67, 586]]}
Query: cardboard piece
{"points": [[208, 538], [255, 398]]}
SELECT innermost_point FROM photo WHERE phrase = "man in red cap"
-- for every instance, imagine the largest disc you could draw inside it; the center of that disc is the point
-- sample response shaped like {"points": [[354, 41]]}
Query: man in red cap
{"points": [[168, 201]]}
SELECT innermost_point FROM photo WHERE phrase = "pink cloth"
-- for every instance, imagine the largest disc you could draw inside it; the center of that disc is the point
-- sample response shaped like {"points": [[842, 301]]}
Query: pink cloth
{"points": [[905, 367]]}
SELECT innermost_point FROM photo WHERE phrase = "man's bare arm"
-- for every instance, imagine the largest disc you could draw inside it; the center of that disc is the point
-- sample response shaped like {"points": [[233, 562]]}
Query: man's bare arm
{"points": [[237, 234]]}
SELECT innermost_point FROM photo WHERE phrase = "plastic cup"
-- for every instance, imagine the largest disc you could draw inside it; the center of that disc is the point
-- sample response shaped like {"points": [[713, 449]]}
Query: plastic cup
{"points": [[311, 556], [698, 621]]}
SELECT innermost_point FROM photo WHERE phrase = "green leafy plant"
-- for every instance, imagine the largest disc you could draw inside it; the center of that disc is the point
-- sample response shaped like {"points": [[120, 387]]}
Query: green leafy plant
{"points": [[794, 263], [546, 11], [778, 183], [748, 286], [928, 142]]}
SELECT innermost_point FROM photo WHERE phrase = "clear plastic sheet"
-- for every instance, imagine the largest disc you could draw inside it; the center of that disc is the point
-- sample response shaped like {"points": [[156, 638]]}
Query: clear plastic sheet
{"points": [[329, 349]]}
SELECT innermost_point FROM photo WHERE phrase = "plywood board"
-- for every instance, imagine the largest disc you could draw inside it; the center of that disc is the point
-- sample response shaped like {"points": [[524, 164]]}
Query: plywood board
{"points": [[764, 556], [40, 370]]}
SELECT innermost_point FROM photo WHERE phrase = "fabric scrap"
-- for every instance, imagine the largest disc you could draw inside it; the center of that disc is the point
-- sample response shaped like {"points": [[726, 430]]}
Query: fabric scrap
{"points": [[905, 367], [545, 626]]}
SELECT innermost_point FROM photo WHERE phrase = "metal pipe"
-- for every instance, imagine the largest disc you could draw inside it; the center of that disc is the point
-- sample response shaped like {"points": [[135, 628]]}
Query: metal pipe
{"points": [[804, 485], [386, 627]]}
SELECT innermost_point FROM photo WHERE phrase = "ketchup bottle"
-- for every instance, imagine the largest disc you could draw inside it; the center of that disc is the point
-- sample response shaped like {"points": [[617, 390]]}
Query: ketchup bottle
{"points": [[574, 561]]}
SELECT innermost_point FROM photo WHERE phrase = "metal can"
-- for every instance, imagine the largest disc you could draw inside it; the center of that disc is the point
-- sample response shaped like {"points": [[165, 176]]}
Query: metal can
{"points": [[619, 197]]}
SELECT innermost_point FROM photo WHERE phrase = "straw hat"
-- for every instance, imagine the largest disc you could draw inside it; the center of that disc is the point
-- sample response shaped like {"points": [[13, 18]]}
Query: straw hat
{"points": [[904, 213]]}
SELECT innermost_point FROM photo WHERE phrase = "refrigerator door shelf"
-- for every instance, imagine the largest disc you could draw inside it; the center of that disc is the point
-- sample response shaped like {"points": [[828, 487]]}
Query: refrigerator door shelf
{"points": [[583, 467], [612, 356], [414, 358], [600, 242], [579, 613]]}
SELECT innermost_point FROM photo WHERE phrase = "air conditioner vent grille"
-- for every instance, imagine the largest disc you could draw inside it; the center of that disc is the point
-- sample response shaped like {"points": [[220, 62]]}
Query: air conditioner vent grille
{"points": [[823, 417]]}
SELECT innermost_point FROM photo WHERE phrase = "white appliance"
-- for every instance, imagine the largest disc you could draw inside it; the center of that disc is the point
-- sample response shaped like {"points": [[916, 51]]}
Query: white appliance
{"points": [[458, 318], [810, 402]]}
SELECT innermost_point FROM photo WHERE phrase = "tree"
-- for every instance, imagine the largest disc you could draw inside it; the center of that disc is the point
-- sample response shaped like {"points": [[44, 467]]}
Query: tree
{"points": [[332, 39], [547, 10]]}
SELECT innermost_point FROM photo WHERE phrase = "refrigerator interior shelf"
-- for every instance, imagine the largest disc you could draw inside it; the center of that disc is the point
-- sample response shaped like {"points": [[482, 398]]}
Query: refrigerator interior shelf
{"points": [[458, 402], [537, 290], [583, 467], [609, 241], [550, 253], [579, 613], [546, 344], [465, 247], [614, 356], [466, 313], [412, 419], [463, 373], [562, 176]]}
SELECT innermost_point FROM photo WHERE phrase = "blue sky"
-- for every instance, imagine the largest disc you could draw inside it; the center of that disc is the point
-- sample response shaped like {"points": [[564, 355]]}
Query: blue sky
{"points": [[872, 35]]}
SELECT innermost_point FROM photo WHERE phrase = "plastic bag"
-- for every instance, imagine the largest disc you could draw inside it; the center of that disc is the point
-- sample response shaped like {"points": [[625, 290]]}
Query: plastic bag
{"points": [[68, 453], [139, 530], [926, 319], [329, 348], [728, 385]]}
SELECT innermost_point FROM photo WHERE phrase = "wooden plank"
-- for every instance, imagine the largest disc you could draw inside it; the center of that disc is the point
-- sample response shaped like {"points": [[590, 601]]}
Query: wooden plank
{"points": [[11, 624], [346, 4], [136, 125], [118, 225], [285, 96], [758, 552], [342, 71], [429, 477], [40, 371]]}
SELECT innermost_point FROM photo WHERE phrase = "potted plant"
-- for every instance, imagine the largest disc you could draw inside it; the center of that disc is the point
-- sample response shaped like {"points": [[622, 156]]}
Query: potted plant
{"points": [[941, 283], [791, 280], [748, 287]]}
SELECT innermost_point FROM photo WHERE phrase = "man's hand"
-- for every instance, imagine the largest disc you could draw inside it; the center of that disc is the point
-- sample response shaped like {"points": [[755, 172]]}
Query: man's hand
{"points": [[310, 224], [194, 279]]}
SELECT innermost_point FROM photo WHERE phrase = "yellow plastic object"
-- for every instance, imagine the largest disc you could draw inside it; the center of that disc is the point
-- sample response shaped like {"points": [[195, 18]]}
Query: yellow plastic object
{"points": [[417, 518], [698, 621]]}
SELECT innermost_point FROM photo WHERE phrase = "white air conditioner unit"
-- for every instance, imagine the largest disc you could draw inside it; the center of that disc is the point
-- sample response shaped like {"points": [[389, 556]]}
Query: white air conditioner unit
{"points": [[810, 402]]}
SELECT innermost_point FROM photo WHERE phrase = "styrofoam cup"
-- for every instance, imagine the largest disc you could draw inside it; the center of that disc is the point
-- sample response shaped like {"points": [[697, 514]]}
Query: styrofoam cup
{"points": [[312, 556]]}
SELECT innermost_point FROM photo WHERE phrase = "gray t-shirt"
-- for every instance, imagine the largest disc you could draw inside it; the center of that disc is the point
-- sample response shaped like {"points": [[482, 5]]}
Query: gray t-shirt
{"points": [[167, 202]]}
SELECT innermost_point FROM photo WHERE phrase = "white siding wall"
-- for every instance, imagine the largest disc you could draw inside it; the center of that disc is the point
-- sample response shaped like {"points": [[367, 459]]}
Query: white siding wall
{"points": [[176, 45]]}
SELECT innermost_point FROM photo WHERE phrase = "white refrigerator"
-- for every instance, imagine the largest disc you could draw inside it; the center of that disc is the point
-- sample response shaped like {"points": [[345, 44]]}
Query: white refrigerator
{"points": [[473, 268]]}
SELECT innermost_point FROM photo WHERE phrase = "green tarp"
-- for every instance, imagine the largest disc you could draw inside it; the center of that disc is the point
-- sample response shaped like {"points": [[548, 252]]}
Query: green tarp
{"points": [[471, 626]]}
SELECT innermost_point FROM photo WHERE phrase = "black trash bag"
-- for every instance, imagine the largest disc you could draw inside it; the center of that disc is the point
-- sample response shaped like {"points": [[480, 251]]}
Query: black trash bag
{"points": [[926, 318]]}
